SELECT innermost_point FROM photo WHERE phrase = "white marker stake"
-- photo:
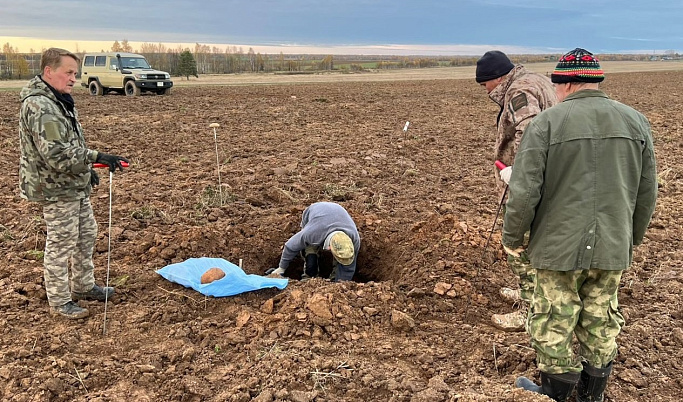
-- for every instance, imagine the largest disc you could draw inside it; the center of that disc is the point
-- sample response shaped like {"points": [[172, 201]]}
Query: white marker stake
{"points": [[240, 263], [218, 164], [405, 128]]}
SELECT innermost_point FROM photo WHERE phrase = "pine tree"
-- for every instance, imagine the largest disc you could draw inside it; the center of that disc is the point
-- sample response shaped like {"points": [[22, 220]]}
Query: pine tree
{"points": [[187, 66]]}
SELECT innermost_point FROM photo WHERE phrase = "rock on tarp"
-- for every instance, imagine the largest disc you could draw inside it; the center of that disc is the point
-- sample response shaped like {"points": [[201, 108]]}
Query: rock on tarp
{"points": [[188, 273]]}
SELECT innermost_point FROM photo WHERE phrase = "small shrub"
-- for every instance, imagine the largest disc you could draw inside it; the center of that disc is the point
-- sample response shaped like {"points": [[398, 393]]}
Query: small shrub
{"points": [[36, 255], [211, 198], [338, 192], [144, 213], [5, 234]]}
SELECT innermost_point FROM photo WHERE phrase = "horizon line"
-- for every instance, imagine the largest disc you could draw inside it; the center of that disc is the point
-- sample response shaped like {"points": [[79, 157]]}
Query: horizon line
{"points": [[412, 50]]}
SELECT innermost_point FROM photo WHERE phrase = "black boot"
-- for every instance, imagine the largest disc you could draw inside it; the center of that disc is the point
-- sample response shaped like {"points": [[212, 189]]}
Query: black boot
{"points": [[592, 383], [557, 386], [311, 266]]}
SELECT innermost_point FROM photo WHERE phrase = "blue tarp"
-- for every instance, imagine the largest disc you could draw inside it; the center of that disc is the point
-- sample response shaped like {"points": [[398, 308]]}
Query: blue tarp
{"points": [[188, 273]]}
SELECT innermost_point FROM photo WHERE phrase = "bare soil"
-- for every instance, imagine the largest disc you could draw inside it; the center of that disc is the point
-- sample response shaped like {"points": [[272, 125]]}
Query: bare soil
{"points": [[413, 326]]}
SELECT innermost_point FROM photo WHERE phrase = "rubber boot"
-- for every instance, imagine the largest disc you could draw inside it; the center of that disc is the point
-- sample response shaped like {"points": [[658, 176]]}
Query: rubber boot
{"points": [[311, 266], [592, 384], [557, 386], [527, 384]]}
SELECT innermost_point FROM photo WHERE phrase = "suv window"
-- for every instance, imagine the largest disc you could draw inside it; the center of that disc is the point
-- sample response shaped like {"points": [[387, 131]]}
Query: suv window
{"points": [[101, 61], [89, 61], [134, 62]]}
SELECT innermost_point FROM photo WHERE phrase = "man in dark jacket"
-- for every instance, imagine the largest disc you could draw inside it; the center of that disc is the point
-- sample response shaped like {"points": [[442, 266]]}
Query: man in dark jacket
{"points": [[55, 170], [324, 226], [585, 183], [521, 95]]}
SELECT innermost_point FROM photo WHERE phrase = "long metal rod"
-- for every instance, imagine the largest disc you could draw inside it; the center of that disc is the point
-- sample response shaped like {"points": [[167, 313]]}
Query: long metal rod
{"points": [[106, 293]]}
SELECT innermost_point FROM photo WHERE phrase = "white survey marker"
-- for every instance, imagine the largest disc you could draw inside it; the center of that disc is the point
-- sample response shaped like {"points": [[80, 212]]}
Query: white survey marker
{"points": [[405, 128]]}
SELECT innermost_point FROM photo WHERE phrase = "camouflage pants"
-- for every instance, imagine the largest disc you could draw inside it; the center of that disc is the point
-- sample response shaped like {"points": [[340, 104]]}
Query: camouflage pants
{"points": [[526, 274], [71, 234], [522, 268], [583, 303]]}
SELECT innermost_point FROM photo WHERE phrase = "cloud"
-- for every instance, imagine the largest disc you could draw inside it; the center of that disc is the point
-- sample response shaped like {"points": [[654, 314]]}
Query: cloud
{"points": [[524, 24]]}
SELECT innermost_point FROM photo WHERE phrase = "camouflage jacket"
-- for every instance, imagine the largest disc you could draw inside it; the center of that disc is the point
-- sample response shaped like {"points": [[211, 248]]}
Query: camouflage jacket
{"points": [[521, 96], [55, 162]]}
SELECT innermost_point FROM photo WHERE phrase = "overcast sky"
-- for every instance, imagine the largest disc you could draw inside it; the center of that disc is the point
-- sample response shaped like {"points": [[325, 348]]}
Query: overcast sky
{"points": [[375, 26]]}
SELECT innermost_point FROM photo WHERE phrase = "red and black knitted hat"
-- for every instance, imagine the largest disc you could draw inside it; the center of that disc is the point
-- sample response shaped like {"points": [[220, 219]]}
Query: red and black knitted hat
{"points": [[579, 65]]}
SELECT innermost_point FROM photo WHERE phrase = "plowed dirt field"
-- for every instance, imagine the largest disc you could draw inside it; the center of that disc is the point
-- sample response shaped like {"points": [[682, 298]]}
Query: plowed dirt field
{"points": [[413, 326]]}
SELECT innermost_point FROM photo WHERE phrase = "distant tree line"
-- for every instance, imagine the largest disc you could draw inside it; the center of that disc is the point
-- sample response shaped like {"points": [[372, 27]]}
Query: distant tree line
{"points": [[16, 65], [207, 59]]}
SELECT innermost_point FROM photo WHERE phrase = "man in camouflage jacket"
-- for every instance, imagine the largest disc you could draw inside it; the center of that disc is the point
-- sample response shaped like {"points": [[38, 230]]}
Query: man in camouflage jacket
{"points": [[55, 170], [521, 95]]}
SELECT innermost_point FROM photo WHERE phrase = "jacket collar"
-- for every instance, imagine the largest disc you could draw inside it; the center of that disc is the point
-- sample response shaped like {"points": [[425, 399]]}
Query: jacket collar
{"points": [[586, 93], [38, 87], [65, 99]]}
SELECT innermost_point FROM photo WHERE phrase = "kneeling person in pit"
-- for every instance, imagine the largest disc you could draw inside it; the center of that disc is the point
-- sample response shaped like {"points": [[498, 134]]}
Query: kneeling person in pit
{"points": [[324, 226]]}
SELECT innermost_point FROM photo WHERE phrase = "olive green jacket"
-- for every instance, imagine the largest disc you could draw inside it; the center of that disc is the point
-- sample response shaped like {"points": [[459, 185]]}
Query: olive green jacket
{"points": [[584, 183], [55, 163]]}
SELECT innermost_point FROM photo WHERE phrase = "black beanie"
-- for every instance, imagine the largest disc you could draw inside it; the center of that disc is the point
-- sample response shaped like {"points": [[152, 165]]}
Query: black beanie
{"points": [[493, 64]]}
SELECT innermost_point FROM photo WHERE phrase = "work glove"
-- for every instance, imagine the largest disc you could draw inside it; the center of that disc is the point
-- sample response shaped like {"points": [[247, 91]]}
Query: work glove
{"points": [[94, 178], [276, 271], [505, 174], [113, 161], [517, 252]]}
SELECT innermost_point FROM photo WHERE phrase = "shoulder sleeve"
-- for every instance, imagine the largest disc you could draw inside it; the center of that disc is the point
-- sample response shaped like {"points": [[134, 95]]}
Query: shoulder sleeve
{"points": [[523, 105], [525, 185], [647, 191], [294, 245]]}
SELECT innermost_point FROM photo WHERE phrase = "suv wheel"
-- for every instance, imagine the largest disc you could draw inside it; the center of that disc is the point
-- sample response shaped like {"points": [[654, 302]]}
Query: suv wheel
{"points": [[165, 91], [131, 89], [95, 88]]}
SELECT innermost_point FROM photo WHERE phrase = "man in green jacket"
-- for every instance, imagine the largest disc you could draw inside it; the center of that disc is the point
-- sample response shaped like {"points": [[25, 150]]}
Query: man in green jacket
{"points": [[584, 183], [55, 171]]}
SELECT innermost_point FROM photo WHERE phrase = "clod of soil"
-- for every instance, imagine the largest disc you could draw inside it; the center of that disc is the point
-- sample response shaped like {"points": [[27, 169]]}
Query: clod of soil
{"points": [[212, 274]]}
